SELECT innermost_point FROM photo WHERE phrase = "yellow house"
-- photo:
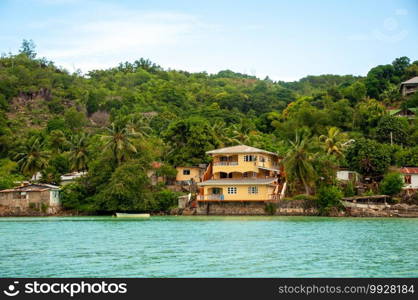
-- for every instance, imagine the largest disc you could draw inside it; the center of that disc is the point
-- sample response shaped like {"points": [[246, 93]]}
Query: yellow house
{"points": [[241, 173], [188, 174]]}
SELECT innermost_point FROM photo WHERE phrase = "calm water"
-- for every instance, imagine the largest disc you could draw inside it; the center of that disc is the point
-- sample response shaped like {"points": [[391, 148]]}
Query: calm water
{"points": [[208, 247]]}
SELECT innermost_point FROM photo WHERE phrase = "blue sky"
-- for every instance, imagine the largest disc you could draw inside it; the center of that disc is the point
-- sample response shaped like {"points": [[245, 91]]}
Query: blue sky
{"points": [[285, 40]]}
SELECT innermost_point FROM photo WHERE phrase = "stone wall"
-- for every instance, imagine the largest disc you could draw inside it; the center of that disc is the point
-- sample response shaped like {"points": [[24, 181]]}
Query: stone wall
{"points": [[305, 208], [382, 210], [283, 208]]}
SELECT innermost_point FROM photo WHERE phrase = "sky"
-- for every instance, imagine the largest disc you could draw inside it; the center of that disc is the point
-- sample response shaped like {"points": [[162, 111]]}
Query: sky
{"points": [[285, 40]]}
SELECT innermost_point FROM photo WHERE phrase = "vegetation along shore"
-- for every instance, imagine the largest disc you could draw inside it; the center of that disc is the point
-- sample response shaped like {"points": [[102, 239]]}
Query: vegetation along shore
{"points": [[140, 138]]}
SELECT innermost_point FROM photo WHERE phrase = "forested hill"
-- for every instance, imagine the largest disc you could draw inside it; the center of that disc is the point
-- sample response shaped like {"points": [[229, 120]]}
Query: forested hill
{"points": [[130, 115]]}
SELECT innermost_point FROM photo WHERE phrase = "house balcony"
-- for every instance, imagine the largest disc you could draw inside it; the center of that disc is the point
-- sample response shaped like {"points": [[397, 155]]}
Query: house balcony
{"points": [[212, 197], [225, 163]]}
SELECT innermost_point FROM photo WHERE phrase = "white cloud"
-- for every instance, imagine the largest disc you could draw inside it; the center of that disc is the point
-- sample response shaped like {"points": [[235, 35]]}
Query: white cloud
{"points": [[114, 34]]}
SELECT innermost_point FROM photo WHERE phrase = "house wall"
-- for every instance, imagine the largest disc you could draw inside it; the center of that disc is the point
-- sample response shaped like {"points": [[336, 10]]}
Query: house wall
{"points": [[414, 182], [264, 192], [344, 175], [29, 202], [194, 174], [245, 166], [54, 198]]}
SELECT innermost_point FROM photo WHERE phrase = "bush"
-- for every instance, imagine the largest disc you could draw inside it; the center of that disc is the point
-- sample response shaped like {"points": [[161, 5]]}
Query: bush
{"points": [[73, 196], [304, 197], [349, 189], [391, 184], [166, 199], [270, 208], [329, 197]]}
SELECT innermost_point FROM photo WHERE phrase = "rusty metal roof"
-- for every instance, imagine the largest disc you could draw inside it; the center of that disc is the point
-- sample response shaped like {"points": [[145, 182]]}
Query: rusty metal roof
{"points": [[409, 170], [32, 188]]}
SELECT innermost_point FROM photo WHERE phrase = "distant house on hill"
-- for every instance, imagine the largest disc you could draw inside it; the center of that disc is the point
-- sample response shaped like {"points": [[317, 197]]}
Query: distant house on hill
{"points": [[347, 175], [189, 174], [39, 197], [71, 177], [409, 113], [410, 86], [410, 175]]}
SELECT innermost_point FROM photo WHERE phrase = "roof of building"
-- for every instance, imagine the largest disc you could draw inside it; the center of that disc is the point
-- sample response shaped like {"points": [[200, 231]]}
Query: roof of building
{"points": [[409, 170], [413, 80], [248, 181], [38, 187], [239, 149], [73, 175]]}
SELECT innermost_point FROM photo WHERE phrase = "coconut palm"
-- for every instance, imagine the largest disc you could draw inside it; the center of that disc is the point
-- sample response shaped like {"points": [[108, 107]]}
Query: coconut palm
{"points": [[139, 126], [79, 155], [219, 133], [333, 142], [241, 134], [31, 157], [57, 141], [298, 162], [118, 141]]}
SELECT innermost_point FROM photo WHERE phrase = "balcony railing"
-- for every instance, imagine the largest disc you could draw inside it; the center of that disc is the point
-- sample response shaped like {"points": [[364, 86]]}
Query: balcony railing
{"points": [[210, 197], [225, 163]]}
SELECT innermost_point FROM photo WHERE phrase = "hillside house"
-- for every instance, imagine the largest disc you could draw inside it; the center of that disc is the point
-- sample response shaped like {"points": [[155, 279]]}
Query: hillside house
{"points": [[410, 175], [241, 174], [347, 175], [39, 197], [71, 177], [410, 86], [189, 174], [409, 113]]}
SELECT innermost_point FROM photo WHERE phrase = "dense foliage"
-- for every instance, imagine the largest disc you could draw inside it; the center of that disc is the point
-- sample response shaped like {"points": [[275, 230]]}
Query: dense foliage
{"points": [[115, 123]]}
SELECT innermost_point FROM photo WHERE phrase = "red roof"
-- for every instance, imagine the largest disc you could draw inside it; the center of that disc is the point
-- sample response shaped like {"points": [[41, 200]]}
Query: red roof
{"points": [[156, 164], [409, 170]]}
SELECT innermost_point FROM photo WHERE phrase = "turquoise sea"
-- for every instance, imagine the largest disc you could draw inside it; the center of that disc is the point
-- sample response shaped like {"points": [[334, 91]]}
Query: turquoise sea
{"points": [[208, 247]]}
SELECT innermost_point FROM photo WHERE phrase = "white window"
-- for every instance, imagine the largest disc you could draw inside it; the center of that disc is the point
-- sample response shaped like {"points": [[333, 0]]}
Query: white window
{"points": [[232, 190], [249, 158], [252, 190]]}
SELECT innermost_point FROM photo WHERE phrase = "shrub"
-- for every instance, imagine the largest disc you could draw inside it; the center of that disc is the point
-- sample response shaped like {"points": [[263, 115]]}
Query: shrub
{"points": [[44, 207], [329, 197], [166, 199], [270, 208], [304, 197], [391, 184], [73, 196], [349, 189]]}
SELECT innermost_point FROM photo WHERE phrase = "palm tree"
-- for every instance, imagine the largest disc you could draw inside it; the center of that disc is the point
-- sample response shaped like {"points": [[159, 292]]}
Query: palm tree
{"points": [[57, 141], [31, 158], [219, 133], [139, 126], [79, 155], [118, 140], [242, 134], [333, 142], [298, 162]]}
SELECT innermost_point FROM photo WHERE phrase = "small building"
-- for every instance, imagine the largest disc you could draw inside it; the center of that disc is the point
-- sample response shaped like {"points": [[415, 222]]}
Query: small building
{"points": [[409, 113], [71, 177], [189, 174], [410, 175], [347, 175], [410, 86], [43, 198]]}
